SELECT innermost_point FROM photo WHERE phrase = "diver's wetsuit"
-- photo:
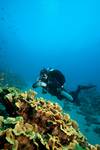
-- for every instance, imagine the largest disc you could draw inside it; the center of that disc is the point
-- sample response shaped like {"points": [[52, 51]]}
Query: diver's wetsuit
{"points": [[54, 84], [55, 81]]}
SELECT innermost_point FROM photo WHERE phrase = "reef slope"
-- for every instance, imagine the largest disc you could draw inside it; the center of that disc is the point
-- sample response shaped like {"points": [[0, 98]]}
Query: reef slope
{"points": [[31, 123]]}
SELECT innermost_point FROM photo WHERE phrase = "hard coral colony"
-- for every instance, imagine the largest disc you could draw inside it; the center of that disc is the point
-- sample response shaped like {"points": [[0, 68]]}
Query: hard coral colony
{"points": [[32, 123]]}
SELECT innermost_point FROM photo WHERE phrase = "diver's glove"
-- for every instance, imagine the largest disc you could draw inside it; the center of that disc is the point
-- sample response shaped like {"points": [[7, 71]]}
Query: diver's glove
{"points": [[39, 84]]}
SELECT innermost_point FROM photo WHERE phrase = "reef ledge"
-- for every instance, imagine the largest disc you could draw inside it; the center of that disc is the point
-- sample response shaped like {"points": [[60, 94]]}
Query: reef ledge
{"points": [[31, 123]]}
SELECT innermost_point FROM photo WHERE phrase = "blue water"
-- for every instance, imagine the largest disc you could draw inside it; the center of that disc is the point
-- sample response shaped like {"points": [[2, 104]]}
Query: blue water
{"points": [[52, 33]]}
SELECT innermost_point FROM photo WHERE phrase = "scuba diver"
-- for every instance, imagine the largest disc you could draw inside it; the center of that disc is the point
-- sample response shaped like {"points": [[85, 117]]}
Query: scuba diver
{"points": [[52, 81]]}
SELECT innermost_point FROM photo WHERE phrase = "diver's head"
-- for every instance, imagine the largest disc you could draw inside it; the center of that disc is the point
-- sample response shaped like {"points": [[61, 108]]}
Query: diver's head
{"points": [[43, 71], [44, 74]]}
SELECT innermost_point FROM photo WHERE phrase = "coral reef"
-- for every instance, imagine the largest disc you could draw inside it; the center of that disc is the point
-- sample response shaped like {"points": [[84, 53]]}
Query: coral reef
{"points": [[32, 123]]}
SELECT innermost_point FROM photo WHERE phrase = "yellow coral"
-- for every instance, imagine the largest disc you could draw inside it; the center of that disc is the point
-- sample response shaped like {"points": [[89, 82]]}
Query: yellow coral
{"points": [[24, 95], [40, 124], [66, 117], [74, 124], [1, 120], [19, 128], [9, 97], [10, 137], [18, 104]]}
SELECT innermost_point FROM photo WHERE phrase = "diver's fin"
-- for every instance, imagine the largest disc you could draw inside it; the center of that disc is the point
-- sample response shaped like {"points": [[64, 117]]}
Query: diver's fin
{"points": [[86, 87]]}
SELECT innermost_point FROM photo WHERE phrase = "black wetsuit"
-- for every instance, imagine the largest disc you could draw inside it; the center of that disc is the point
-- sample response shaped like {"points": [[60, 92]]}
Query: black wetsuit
{"points": [[54, 81], [54, 85]]}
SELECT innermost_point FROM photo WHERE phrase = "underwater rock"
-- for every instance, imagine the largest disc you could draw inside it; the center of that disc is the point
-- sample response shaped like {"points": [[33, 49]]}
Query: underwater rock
{"points": [[35, 123], [86, 130], [90, 106], [8, 78], [97, 131]]}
